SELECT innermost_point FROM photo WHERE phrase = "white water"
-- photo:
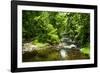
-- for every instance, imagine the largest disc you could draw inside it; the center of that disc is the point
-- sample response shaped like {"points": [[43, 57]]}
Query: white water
{"points": [[63, 53]]}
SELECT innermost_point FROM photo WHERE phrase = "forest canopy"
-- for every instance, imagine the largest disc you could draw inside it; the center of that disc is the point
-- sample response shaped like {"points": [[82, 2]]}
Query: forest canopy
{"points": [[50, 27]]}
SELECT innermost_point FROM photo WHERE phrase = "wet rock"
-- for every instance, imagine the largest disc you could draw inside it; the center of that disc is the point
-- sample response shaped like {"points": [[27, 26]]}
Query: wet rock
{"points": [[28, 47]]}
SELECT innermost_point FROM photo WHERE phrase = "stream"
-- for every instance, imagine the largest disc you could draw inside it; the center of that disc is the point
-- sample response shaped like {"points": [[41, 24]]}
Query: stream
{"points": [[66, 50]]}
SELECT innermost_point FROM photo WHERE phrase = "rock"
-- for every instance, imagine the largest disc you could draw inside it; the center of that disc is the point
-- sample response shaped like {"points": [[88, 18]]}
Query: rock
{"points": [[72, 46], [28, 47], [74, 54]]}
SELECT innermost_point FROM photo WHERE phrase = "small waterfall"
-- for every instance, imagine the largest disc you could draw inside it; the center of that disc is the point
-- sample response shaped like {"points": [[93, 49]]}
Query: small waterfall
{"points": [[63, 53], [65, 46]]}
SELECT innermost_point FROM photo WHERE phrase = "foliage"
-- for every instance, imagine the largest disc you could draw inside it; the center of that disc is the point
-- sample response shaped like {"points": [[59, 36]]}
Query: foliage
{"points": [[44, 28], [49, 26], [85, 50]]}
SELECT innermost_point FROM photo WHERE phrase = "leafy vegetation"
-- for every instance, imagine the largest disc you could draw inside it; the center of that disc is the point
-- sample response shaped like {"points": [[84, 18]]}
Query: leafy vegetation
{"points": [[45, 29]]}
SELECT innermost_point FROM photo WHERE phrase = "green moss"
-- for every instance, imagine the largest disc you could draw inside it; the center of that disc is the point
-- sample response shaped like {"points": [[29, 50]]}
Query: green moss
{"points": [[85, 50]]}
